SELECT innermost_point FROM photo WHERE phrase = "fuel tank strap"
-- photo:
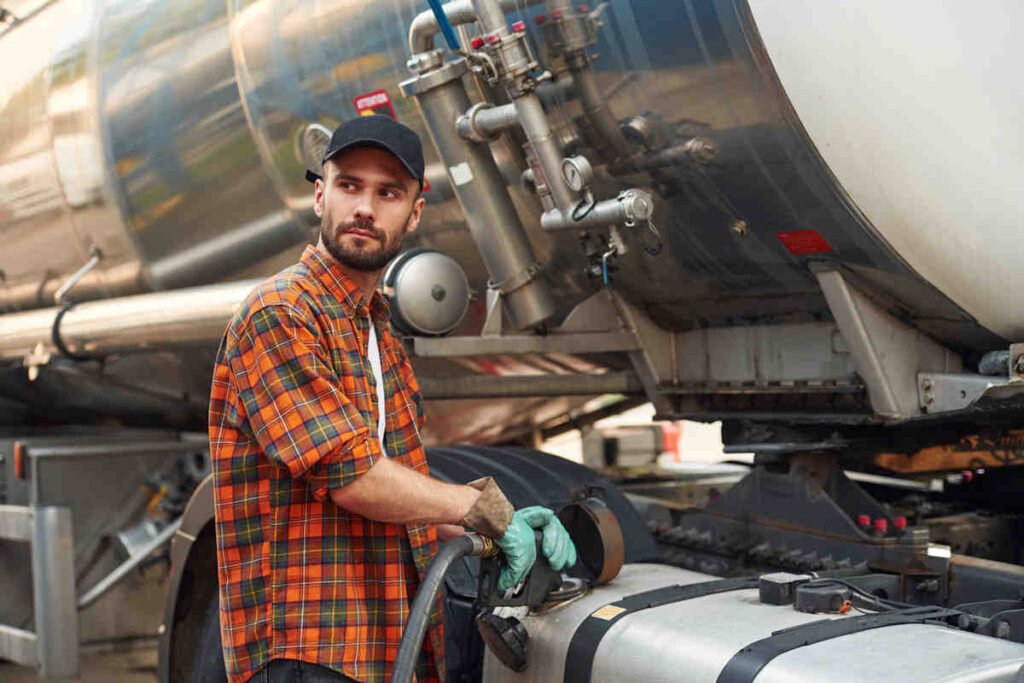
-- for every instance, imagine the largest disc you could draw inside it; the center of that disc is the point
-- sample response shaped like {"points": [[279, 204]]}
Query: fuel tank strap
{"points": [[746, 664], [579, 660]]}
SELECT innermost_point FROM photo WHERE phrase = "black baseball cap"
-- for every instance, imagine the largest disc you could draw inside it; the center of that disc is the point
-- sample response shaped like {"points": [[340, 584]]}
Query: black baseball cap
{"points": [[377, 131]]}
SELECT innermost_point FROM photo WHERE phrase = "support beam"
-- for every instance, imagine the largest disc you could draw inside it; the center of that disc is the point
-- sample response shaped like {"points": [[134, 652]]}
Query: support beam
{"points": [[53, 587], [887, 353], [490, 386]]}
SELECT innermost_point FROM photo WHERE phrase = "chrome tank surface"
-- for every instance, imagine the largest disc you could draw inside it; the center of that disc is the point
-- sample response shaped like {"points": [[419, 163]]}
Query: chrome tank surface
{"points": [[692, 641], [121, 128], [167, 134]]}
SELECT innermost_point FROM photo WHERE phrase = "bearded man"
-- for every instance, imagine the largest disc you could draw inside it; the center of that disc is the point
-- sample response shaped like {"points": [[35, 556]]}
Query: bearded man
{"points": [[325, 513]]}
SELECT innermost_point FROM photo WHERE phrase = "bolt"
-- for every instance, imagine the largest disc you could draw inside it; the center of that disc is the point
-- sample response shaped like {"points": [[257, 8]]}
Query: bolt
{"points": [[701, 150], [739, 228], [438, 293], [1002, 630]]}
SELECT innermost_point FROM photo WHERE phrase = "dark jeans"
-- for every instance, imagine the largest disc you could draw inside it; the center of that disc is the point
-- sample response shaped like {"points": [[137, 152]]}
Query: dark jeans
{"points": [[294, 671]]}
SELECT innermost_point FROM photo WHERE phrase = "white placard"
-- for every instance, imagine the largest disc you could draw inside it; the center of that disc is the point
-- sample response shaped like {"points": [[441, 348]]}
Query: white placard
{"points": [[460, 173]]}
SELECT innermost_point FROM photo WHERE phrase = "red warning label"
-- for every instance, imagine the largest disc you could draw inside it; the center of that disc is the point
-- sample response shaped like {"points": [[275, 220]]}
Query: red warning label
{"points": [[803, 242], [376, 102]]}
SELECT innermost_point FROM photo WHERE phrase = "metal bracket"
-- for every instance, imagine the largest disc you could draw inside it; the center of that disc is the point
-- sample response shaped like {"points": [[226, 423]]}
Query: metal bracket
{"points": [[887, 353], [494, 322], [133, 561], [940, 393], [1017, 362], [53, 647], [95, 256]]}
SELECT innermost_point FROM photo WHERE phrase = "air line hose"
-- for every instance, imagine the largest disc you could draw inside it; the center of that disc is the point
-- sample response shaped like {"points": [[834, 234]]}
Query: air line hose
{"points": [[416, 628]]}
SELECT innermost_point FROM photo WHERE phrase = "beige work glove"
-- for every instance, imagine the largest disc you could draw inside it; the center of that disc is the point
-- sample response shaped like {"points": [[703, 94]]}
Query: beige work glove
{"points": [[491, 513]]}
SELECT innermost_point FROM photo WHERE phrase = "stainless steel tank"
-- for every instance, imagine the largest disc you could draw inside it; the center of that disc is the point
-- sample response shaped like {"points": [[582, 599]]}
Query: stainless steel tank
{"points": [[167, 134]]}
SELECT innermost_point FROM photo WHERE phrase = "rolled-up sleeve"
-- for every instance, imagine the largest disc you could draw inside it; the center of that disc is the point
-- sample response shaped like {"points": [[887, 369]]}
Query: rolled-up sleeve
{"points": [[294, 402]]}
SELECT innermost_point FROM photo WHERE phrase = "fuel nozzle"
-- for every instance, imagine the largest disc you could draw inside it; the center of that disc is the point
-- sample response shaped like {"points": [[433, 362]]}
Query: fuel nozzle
{"points": [[532, 592]]}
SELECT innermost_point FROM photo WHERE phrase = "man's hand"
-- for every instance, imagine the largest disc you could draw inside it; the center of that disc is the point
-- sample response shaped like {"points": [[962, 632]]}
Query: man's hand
{"points": [[520, 549], [557, 546]]}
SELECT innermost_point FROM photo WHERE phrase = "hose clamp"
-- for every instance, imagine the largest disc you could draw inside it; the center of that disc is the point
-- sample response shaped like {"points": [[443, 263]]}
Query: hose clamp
{"points": [[417, 85], [517, 281]]}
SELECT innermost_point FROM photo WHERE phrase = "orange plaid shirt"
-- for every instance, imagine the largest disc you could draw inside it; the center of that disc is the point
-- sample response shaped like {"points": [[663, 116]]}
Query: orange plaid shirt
{"points": [[293, 414]]}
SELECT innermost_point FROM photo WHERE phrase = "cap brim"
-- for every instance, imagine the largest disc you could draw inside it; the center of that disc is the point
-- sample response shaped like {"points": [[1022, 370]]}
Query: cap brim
{"points": [[313, 177]]}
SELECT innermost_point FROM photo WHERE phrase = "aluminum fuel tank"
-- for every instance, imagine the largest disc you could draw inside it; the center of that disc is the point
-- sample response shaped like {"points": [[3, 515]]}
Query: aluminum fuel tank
{"points": [[692, 640]]}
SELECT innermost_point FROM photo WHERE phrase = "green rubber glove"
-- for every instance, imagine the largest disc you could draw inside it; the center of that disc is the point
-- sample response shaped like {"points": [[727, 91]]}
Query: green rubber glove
{"points": [[520, 551], [556, 545]]}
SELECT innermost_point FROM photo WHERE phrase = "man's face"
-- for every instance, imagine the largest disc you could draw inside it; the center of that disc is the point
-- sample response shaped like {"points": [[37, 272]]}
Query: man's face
{"points": [[366, 202]]}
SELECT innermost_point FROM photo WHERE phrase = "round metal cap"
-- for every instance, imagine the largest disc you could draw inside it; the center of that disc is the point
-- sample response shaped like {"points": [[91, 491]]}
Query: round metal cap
{"points": [[428, 291]]}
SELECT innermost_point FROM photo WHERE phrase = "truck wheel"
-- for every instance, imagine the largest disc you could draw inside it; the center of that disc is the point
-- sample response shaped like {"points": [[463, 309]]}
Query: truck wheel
{"points": [[209, 658]]}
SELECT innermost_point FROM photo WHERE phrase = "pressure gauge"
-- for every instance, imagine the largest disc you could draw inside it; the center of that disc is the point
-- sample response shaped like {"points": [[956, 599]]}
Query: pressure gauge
{"points": [[578, 172]]}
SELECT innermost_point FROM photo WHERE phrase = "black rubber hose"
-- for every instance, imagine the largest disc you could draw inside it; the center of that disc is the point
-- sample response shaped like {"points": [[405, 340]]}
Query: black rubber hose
{"points": [[419, 613], [995, 363]]}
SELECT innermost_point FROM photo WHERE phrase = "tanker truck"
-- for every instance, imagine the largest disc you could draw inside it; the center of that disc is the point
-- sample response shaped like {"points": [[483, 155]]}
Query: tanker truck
{"points": [[800, 219]]}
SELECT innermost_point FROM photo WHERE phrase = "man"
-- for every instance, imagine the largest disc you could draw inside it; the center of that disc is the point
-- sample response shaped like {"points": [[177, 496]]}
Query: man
{"points": [[326, 518]]}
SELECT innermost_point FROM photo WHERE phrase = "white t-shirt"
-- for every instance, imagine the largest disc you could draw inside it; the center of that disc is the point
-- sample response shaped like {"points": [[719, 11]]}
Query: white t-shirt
{"points": [[373, 353]]}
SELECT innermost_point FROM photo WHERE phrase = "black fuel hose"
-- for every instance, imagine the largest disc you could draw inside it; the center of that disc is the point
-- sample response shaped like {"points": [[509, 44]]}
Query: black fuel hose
{"points": [[416, 628]]}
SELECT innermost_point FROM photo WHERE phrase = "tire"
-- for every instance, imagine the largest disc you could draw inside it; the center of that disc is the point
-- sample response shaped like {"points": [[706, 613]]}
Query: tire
{"points": [[209, 659]]}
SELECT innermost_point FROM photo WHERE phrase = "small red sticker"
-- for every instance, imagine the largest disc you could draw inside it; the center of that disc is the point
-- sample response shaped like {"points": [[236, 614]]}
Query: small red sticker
{"points": [[803, 242], [378, 103]]}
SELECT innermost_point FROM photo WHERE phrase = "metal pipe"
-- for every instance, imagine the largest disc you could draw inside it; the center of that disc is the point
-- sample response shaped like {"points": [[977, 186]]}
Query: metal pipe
{"points": [[424, 27], [489, 386], [483, 195], [630, 207], [484, 121], [121, 571], [444, 25], [595, 106], [491, 15], [53, 590], [106, 450], [549, 155], [165, 319], [95, 256]]}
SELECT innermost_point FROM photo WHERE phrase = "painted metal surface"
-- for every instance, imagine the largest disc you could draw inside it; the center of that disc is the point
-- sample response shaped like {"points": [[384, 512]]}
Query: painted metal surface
{"points": [[916, 110]]}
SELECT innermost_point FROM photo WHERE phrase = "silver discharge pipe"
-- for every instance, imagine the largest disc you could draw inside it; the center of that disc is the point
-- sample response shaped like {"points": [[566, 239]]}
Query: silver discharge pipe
{"points": [[131, 323], [483, 195]]}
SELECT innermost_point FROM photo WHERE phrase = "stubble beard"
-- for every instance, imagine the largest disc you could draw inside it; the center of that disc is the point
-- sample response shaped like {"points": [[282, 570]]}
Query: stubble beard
{"points": [[366, 259]]}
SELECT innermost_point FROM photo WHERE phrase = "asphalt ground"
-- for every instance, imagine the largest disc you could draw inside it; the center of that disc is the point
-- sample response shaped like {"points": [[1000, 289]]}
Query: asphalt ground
{"points": [[137, 665]]}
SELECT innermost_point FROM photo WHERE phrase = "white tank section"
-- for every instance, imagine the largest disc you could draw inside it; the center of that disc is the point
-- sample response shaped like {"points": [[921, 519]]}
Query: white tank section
{"points": [[694, 639], [916, 108]]}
